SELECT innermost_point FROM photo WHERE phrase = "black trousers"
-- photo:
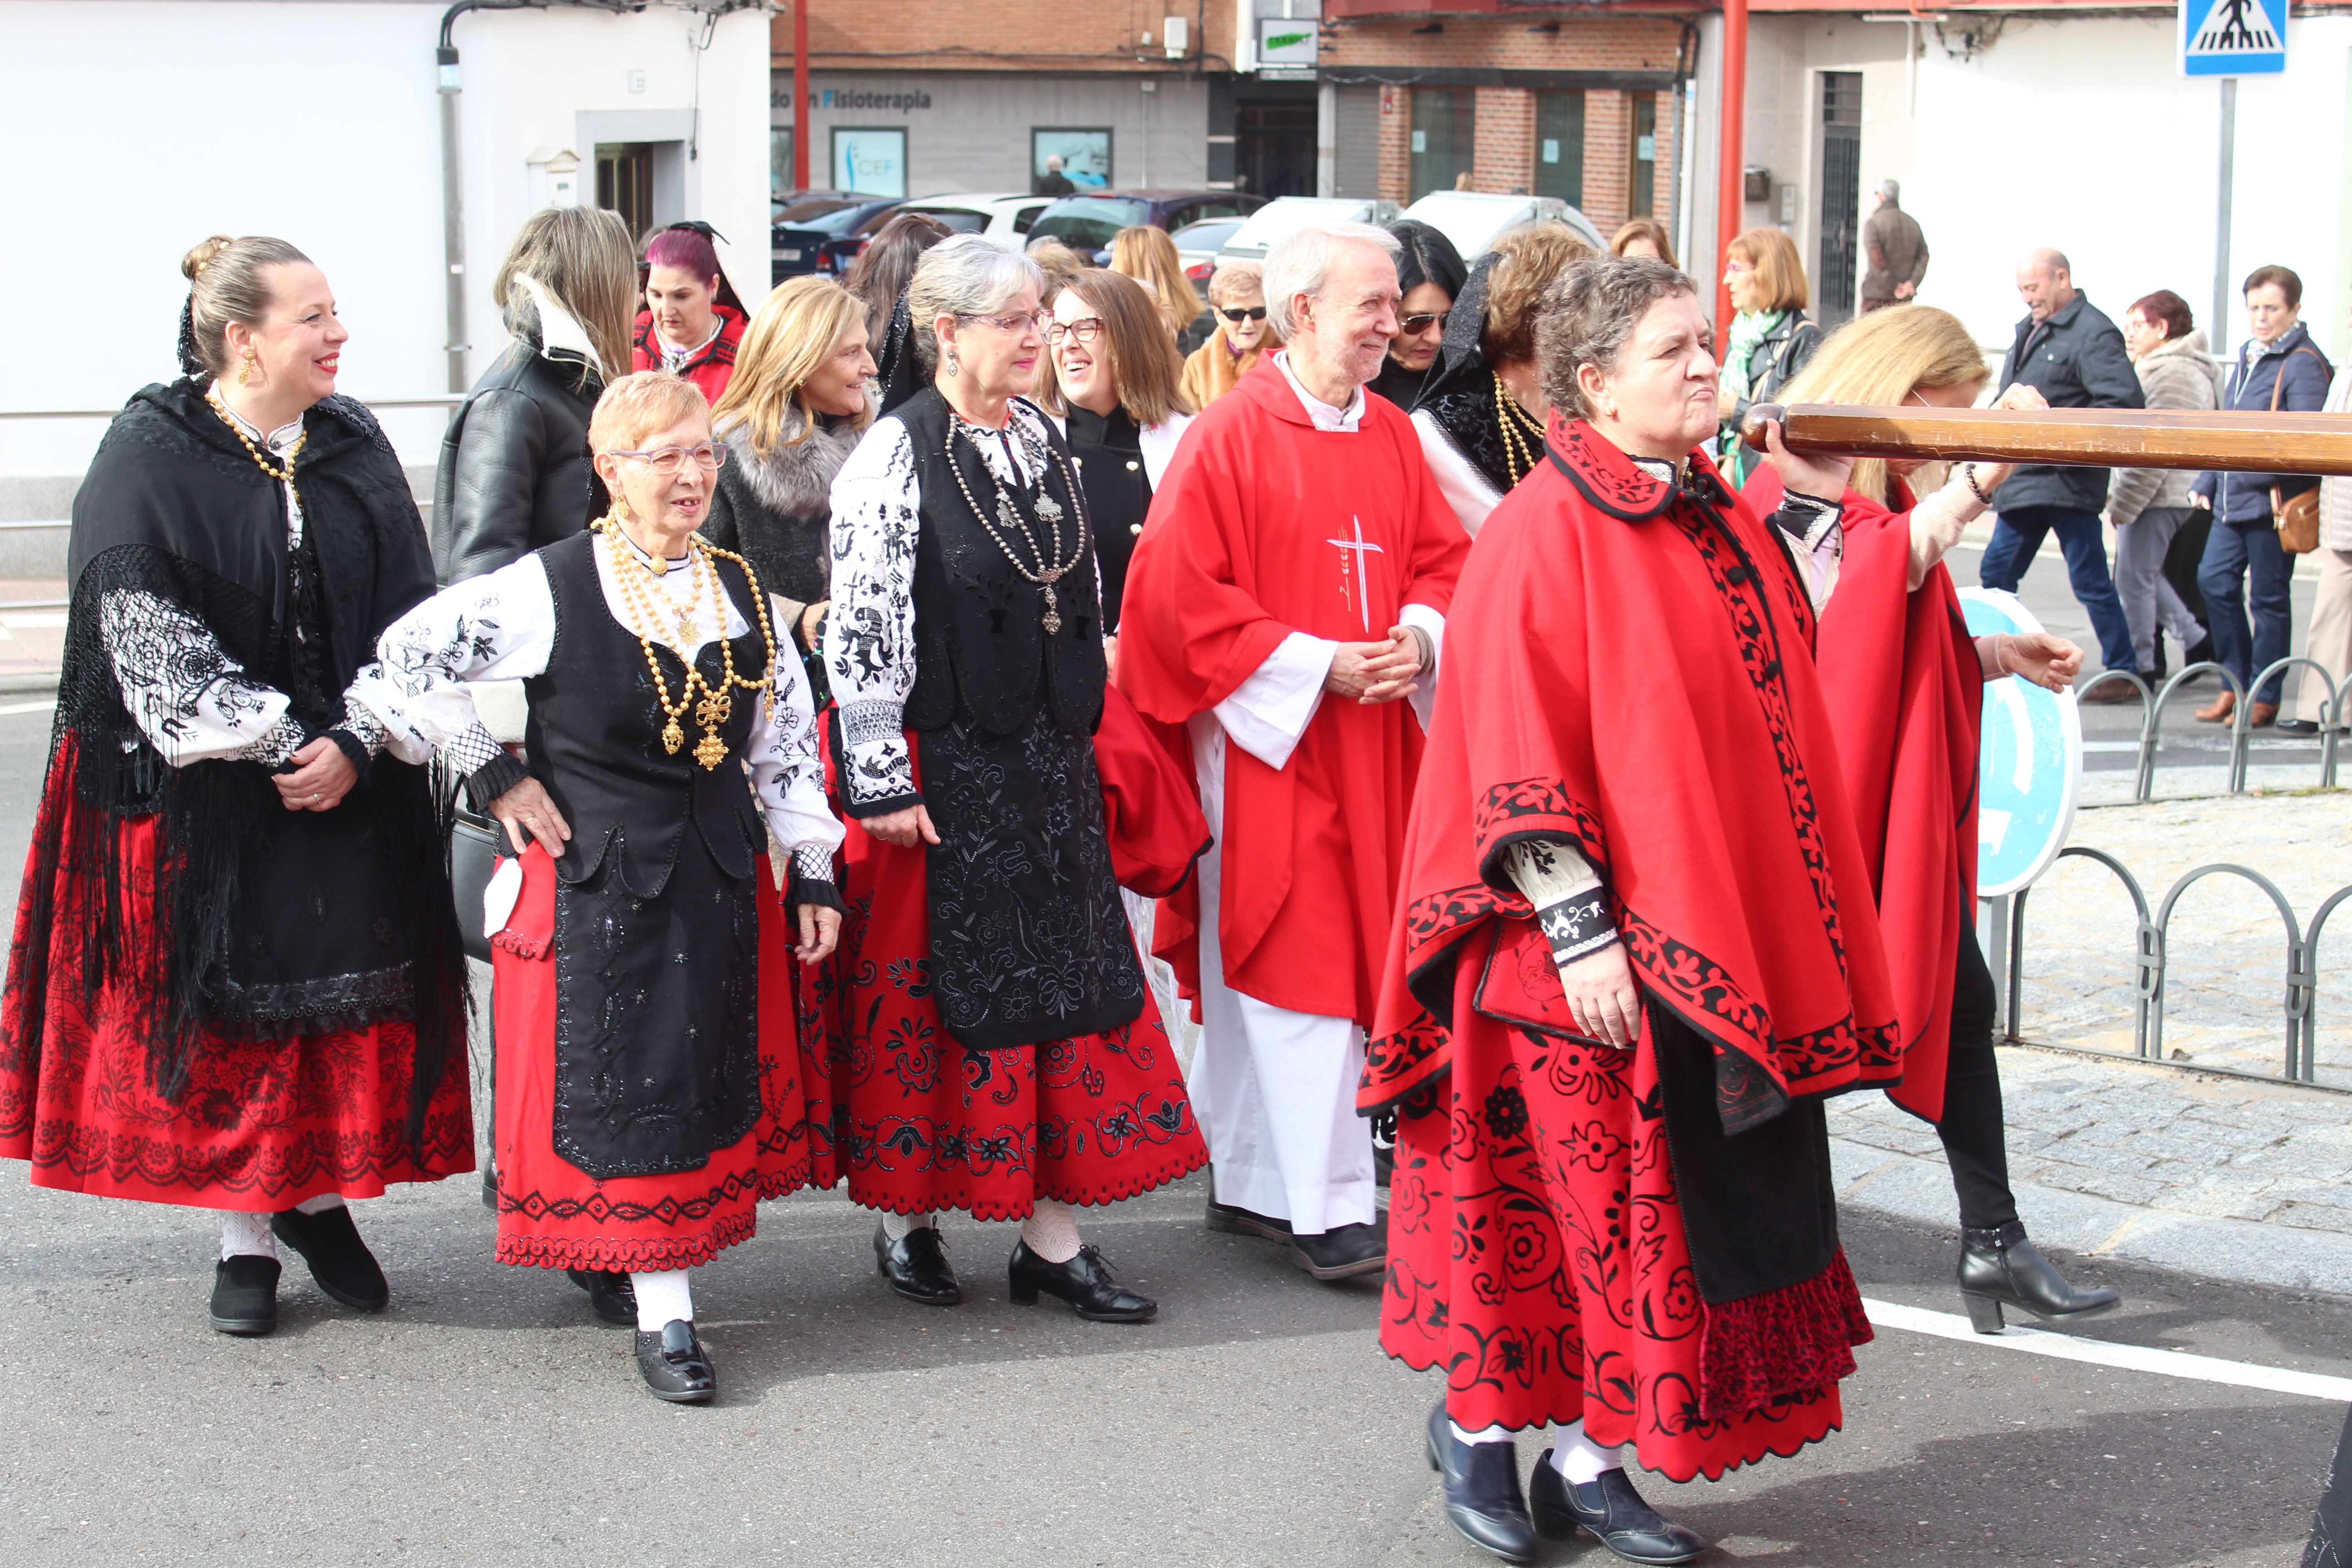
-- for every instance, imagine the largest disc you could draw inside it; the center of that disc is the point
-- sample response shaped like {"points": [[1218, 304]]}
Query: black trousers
{"points": [[1976, 1142]]}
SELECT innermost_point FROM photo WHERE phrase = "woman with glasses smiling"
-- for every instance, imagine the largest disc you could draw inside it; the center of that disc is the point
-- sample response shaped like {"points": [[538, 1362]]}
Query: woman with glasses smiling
{"points": [[644, 1104], [1002, 1053]]}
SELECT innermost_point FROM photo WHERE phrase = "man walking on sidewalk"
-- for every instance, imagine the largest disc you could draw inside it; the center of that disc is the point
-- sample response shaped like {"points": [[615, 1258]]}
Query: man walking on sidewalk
{"points": [[1897, 252], [2067, 350]]}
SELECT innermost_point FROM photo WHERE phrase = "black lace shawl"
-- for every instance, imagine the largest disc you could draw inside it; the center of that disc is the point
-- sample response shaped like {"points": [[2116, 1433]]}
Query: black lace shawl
{"points": [[175, 506], [1460, 392]]}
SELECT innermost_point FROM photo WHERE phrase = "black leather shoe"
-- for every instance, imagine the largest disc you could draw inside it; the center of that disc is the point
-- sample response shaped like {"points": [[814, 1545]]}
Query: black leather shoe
{"points": [[2307, 728], [1235, 1220], [1085, 1282], [2000, 1268], [245, 1294], [339, 1261], [675, 1364], [611, 1296], [1611, 1508], [1342, 1252], [917, 1268], [1480, 1482]]}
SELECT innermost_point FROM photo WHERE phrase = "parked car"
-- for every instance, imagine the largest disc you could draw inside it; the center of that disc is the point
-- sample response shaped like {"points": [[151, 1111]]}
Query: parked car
{"points": [[1087, 222], [809, 235], [1003, 217], [1473, 220], [1287, 214], [1197, 244]]}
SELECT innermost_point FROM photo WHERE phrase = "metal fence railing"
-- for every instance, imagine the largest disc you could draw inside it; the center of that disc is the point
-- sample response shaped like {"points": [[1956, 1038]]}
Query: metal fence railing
{"points": [[2241, 731], [2151, 961]]}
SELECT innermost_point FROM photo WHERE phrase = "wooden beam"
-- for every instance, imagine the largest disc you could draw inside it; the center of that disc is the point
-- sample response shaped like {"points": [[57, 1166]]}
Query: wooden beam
{"points": [[2077, 437]]}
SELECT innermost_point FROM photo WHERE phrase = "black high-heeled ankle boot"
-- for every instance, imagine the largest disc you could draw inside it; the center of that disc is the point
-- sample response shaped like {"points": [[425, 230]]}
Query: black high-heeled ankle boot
{"points": [[2000, 1266]]}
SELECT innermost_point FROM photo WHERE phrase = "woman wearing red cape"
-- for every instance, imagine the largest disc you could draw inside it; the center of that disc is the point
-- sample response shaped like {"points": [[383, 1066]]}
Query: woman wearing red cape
{"points": [[1637, 950], [1905, 682]]}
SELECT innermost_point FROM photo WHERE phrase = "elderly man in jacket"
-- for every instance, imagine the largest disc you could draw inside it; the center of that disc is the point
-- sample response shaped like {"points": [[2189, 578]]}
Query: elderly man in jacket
{"points": [[1897, 250], [2067, 350]]}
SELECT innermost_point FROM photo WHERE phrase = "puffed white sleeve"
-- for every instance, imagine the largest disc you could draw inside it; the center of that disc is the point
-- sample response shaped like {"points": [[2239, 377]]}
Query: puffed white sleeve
{"points": [[788, 778], [192, 701], [501, 626], [869, 636]]}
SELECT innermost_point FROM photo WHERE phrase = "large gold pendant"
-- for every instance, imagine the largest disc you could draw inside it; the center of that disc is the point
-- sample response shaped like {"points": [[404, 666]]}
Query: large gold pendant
{"points": [[672, 737], [714, 709], [710, 751], [1053, 617]]}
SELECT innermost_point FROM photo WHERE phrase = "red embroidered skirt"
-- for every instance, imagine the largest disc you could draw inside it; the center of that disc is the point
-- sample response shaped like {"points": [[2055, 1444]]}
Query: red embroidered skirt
{"points": [[917, 1123], [1537, 1252], [262, 1125], [551, 1214]]}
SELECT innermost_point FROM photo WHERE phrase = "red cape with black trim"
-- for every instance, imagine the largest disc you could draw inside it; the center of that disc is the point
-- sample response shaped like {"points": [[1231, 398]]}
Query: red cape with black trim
{"points": [[1629, 667], [1900, 671]]}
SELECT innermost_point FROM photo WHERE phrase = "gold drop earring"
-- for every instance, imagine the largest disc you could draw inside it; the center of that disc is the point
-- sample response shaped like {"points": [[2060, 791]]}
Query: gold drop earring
{"points": [[245, 371]]}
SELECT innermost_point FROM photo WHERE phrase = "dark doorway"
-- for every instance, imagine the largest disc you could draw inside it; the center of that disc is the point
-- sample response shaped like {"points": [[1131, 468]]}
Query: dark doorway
{"points": [[1644, 176], [624, 183], [1444, 137], [1834, 281], [1274, 149], [1560, 146]]}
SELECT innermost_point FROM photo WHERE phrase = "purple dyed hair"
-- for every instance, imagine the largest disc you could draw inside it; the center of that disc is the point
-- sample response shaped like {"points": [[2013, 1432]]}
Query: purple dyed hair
{"points": [[684, 249]]}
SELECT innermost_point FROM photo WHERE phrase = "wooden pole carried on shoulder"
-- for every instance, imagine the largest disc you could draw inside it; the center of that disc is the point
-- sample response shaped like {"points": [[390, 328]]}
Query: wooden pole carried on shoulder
{"points": [[2077, 437]]}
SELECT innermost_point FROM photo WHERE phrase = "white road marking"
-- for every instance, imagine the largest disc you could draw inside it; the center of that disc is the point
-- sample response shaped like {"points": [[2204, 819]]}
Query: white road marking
{"points": [[43, 706], [2106, 1353]]}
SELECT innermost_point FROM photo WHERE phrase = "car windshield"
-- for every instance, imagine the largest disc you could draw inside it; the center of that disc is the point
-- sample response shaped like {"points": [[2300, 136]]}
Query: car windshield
{"points": [[1088, 223], [814, 206], [959, 220], [1471, 222], [843, 222], [1289, 216], [1207, 234]]}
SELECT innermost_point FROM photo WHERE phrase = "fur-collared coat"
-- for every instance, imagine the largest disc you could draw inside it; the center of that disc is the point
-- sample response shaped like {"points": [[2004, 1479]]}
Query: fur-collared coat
{"points": [[777, 510]]}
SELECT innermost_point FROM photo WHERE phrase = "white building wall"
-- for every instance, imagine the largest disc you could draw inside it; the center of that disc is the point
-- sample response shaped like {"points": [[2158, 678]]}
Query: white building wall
{"points": [[148, 124]]}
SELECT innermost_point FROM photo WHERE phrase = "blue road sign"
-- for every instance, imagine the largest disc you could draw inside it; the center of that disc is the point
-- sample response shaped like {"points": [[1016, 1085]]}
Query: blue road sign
{"points": [[2029, 764], [2233, 37]]}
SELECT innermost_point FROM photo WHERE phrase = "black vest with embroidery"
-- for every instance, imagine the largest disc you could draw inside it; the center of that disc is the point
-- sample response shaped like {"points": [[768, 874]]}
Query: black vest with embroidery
{"points": [[981, 650], [594, 735]]}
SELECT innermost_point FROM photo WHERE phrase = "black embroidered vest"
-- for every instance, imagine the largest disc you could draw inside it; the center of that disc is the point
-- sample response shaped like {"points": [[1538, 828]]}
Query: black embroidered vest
{"points": [[594, 735], [981, 650]]}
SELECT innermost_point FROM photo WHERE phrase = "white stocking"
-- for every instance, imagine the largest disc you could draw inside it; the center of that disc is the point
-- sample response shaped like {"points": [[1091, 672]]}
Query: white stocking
{"points": [[898, 1227], [246, 1235], [1580, 1460], [1484, 1435], [663, 1296], [1051, 1231], [320, 1203]]}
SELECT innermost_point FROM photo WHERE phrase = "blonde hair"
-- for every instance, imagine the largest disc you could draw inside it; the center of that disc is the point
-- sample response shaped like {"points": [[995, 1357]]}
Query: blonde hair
{"points": [[638, 405], [1647, 229], [796, 329], [583, 257], [1236, 282], [1147, 254], [228, 281], [1780, 272], [1528, 260], [1879, 360], [1143, 361]]}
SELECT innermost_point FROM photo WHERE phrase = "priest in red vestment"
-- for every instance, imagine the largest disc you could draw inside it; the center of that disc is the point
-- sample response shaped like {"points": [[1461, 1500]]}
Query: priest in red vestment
{"points": [[1637, 949], [1284, 613]]}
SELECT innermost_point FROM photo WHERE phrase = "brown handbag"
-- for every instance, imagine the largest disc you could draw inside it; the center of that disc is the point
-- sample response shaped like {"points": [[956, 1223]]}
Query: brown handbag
{"points": [[2296, 517]]}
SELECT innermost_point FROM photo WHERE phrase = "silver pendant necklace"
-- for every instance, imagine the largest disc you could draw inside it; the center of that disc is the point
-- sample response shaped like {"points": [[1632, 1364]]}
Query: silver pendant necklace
{"points": [[1051, 568]]}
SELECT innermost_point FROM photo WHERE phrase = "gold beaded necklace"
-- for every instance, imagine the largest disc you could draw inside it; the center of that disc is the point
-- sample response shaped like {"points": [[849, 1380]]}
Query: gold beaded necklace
{"points": [[1523, 433], [715, 705], [284, 476]]}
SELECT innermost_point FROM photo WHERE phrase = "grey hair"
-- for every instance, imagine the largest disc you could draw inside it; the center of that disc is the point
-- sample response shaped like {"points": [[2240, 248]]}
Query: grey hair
{"points": [[1300, 263], [228, 281], [1590, 312], [965, 275], [1892, 190]]}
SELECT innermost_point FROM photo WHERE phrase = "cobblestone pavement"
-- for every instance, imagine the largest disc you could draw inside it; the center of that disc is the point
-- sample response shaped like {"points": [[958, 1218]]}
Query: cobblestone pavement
{"points": [[2219, 1174]]}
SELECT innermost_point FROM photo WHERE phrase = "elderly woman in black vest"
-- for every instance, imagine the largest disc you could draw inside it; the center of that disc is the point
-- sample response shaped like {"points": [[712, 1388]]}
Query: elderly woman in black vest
{"points": [[1001, 1054], [648, 1098]]}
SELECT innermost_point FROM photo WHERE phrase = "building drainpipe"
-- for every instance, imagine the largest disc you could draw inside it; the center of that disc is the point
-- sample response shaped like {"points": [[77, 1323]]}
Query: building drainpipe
{"points": [[1327, 137], [1732, 175], [453, 210]]}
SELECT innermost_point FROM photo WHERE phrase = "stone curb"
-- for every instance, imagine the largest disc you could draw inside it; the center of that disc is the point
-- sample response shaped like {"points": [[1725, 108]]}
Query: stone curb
{"points": [[31, 681], [2244, 1251]]}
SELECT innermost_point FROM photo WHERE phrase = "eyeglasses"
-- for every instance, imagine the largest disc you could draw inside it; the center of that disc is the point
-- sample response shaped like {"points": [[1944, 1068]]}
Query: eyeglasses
{"points": [[1409, 325], [1014, 322], [1236, 315], [1085, 329], [1734, 266], [670, 461]]}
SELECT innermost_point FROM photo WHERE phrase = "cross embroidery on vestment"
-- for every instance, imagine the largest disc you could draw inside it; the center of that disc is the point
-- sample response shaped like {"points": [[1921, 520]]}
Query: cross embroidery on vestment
{"points": [[1353, 550]]}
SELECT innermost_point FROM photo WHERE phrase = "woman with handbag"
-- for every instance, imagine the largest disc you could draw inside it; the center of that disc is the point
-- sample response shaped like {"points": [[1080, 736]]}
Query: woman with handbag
{"points": [[2259, 520]]}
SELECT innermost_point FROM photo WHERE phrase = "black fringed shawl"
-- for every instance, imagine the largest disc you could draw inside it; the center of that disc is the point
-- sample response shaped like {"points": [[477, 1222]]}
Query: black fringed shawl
{"points": [[264, 922]]}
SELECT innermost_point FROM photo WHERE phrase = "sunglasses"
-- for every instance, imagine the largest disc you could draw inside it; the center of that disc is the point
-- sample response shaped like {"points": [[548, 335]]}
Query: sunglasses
{"points": [[1238, 315], [1421, 324]]}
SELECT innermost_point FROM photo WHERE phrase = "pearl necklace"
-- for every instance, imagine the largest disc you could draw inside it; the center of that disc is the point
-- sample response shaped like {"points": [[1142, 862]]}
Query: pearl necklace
{"points": [[1051, 569], [284, 476]]}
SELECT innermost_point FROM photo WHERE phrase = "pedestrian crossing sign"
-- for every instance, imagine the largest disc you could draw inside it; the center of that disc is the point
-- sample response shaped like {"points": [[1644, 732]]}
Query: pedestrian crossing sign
{"points": [[2233, 37]]}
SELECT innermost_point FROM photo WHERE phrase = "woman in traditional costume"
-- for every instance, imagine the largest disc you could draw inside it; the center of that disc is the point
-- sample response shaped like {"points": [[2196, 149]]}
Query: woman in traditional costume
{"points": [[1905, 682], [235, 983], [648, 1093], [1002, 1054], [1636, 950]]}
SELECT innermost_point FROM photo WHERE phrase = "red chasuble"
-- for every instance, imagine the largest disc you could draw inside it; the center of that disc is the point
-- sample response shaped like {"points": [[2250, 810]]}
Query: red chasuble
{"points": [[1631, 671], [1900, 672], [1264, 526]]}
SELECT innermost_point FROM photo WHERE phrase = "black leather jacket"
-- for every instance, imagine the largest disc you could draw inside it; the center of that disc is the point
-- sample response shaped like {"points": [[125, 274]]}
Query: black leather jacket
{"points": [[515, 473]]}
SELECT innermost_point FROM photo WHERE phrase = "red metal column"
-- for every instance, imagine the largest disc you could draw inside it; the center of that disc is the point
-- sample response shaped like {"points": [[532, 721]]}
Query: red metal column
{"points": [[1730, 200], [801, 96]]}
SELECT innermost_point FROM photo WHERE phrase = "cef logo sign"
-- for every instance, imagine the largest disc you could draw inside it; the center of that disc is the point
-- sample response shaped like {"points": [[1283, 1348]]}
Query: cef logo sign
{"points": [[2233, 37]]}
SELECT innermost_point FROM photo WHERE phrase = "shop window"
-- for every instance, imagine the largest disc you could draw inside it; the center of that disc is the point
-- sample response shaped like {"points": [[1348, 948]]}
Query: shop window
{"points": [[1444, 138], [1085, 152], [870, 162], [779, 161], [1560, 146], [1644, 181]]}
